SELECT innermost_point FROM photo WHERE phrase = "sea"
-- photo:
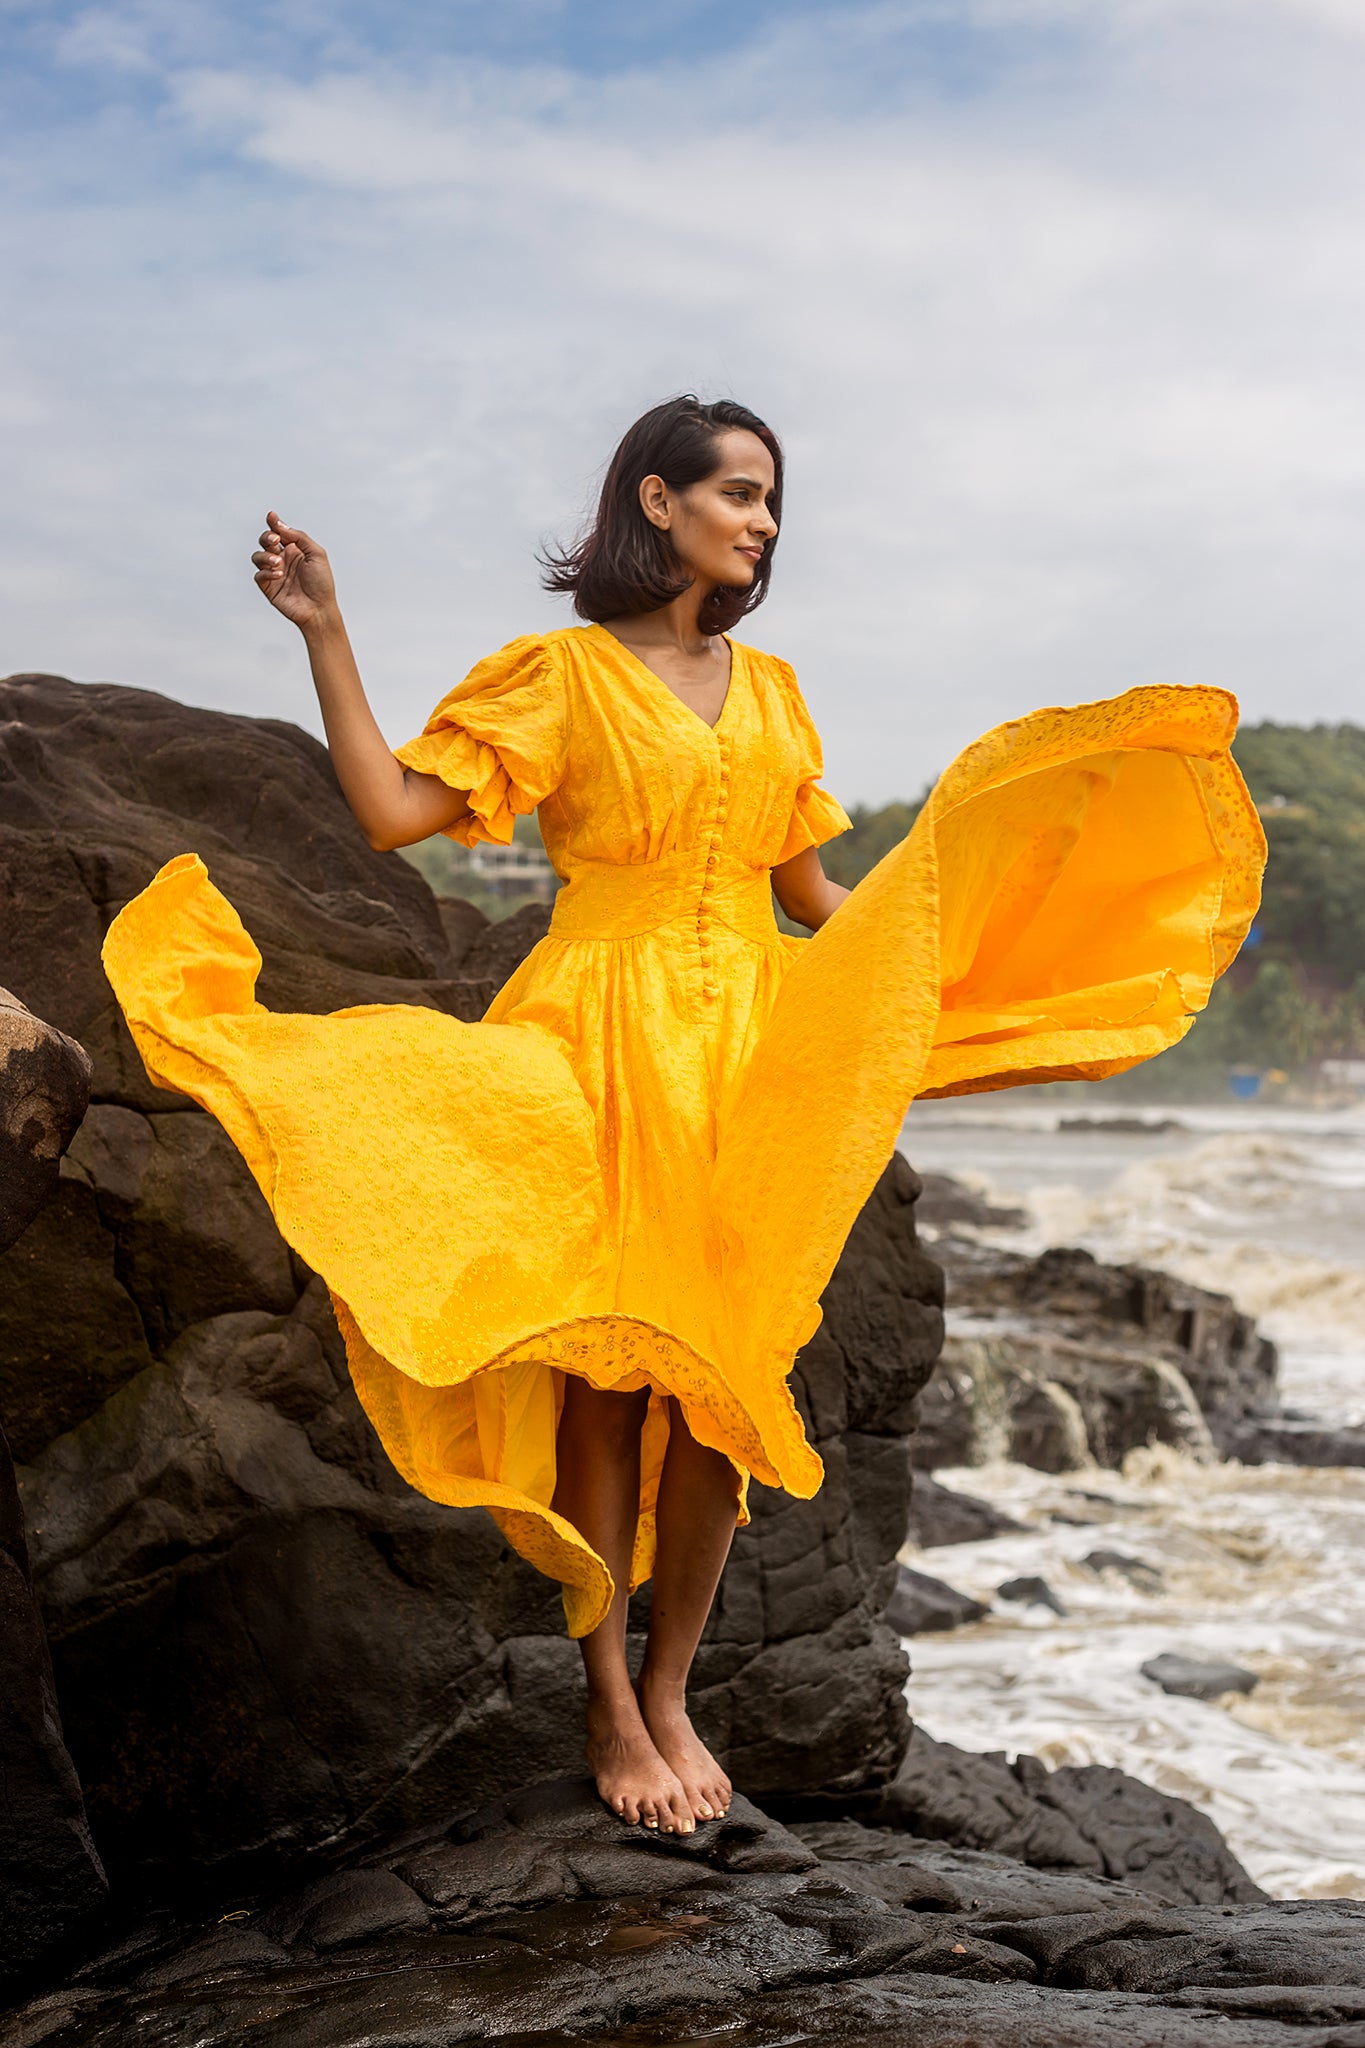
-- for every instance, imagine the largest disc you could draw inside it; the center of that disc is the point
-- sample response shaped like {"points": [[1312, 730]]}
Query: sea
{"points": [[1264, 1566]]}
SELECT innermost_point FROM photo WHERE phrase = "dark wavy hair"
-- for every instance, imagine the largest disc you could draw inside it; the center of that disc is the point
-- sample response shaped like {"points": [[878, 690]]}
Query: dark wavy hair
{"points": [[625, 564]]}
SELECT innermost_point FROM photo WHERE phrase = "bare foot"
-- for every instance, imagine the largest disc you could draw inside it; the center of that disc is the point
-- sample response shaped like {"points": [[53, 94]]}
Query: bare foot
{"points": [[632, 1777], [705, 1786]]}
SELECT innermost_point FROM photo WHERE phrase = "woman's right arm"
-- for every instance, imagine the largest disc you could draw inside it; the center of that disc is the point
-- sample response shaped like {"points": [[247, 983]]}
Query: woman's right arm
{"points": [[393, 805]]}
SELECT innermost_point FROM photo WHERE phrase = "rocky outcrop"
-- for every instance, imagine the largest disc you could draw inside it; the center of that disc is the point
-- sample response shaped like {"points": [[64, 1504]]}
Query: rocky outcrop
{"points": [[922, 1605], [1296, 1439], [44, 1089], [263, 1639], [1060, 1361], [542, 1919], [1082, 1818], [939, 1516], [50, 1875]]}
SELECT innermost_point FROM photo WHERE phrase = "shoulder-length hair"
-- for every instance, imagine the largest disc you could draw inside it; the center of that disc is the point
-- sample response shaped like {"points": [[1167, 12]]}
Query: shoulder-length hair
{"points": [[624, 564]]}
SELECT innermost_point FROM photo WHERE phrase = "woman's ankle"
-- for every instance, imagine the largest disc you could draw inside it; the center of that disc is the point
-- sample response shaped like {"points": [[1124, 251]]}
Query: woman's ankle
{"points": [[661, 1692], [613, 1707]]}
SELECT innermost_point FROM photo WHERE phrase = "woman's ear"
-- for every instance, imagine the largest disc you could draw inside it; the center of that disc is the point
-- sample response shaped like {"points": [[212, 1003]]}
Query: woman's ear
{"points": [[654, 503]]}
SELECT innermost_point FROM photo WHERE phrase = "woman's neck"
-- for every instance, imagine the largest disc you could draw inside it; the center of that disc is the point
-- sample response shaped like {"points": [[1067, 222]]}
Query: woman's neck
{"points": [[675, 627]]}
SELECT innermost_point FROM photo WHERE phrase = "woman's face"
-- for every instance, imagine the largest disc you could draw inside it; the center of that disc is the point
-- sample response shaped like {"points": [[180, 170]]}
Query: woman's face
{"points": [[719, 527]]}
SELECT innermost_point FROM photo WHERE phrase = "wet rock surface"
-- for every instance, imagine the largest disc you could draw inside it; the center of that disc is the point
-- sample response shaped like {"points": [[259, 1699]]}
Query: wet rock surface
{"points": [[939, 1516], [541, 1919], [1296, 1440], [262, 1637], [1061, 1361], [1198, 1678], [1086, 1818], [921, 1604], [1030, 1592]]}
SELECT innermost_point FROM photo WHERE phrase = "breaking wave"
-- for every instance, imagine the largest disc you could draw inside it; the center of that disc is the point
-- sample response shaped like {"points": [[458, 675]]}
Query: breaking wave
{"points": [[1259, 1565]]}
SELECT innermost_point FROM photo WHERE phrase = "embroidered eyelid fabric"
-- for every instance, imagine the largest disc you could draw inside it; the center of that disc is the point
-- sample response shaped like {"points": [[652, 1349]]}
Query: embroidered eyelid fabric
{"points": [[642, 1165]]}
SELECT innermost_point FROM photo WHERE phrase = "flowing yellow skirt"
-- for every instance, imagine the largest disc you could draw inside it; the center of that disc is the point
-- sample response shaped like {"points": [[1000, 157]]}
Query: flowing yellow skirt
{"points": [[608, 1178]]}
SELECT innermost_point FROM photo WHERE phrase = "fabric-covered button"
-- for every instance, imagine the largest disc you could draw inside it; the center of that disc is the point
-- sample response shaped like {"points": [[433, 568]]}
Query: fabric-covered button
{"points": [[713, 859]]}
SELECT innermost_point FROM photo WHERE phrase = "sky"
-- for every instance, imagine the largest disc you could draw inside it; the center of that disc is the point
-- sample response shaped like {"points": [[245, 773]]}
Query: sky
{"points": [[1058, 306]]}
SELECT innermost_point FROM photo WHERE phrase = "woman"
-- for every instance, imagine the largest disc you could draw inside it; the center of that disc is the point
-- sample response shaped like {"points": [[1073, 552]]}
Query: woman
{"points": [[594, 1228]]}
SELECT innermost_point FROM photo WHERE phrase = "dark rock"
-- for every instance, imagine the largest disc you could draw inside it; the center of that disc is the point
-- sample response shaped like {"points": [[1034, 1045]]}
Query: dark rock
{"points": [[51, 1877], [462, 923], [103, 785], [1287, 1942], [544, 1920], [944, 1201], [1146, 1838], [1198, 1678], [263, 1638], [938, 1516], [935, 1876], [921, 1604], [50, 1874], [977, 1802], [44, 1088], [1059, 1361], [1031, 1592], [349, 1906], [1143, 1578], [1294, 1440], [1087, 1819]]}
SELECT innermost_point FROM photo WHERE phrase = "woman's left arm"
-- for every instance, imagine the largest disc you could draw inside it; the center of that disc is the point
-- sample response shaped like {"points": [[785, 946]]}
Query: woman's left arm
{"points": [[805, 891]]}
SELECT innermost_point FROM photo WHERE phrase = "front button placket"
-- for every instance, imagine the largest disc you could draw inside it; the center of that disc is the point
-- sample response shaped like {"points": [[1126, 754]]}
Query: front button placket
{"points": [[705, 910]]}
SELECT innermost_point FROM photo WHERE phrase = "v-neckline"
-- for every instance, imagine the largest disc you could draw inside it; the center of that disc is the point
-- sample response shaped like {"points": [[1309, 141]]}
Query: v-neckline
{"points": [[629, 655]]}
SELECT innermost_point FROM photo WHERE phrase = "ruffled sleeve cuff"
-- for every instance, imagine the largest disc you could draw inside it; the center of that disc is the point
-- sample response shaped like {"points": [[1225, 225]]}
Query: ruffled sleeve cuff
{"points": [[816, 818], [500, 738], [470, 765]]}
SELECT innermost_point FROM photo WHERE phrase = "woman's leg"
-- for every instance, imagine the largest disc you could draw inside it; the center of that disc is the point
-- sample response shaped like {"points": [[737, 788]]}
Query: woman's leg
{"points": [[597, 1488], [695, 1518]]}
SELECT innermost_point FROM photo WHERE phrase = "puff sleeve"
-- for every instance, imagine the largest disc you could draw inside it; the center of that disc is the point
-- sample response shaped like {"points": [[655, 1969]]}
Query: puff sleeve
{"points": [[815, 816], [501, 736]]}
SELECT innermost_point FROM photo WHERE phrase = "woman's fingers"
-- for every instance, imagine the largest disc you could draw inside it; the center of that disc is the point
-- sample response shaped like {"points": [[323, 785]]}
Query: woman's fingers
{"points": [[291, 535]]}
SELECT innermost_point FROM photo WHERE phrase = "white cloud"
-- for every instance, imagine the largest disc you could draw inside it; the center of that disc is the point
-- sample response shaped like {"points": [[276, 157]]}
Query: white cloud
{"points": [[1067, 364]]}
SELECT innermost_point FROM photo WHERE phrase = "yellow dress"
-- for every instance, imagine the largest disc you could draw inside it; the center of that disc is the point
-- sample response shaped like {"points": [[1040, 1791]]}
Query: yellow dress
{"points": [[642, 1165]]}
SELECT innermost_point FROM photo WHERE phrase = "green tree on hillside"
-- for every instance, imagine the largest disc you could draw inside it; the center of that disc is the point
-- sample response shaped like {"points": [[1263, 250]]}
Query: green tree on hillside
{"points": [[1309, 785]]}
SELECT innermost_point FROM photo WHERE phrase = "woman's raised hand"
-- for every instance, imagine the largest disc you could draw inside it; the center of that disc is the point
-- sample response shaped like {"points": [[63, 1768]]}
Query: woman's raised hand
{"points": [[294, 572]]}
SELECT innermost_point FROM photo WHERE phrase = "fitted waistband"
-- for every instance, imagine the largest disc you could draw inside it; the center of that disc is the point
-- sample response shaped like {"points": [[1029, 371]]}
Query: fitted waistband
{"points": [[622, 900]]}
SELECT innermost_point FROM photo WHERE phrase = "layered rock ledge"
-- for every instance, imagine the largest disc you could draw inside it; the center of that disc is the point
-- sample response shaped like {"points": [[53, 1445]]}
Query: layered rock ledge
{"points": [[1060, 1361], [541, 1919]]}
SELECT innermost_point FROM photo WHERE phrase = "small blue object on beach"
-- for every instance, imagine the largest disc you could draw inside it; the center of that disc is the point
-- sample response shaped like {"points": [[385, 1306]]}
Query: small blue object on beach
{"points": [[1245, 1085]]}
